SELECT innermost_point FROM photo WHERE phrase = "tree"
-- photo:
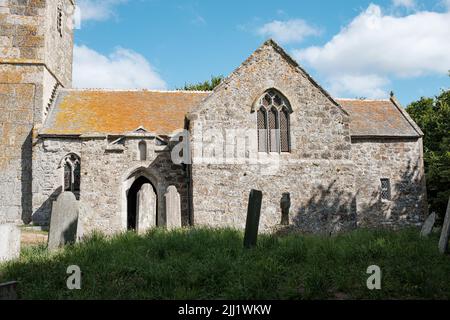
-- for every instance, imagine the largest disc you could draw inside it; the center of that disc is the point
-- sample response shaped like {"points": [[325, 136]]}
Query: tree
{"points": [[207, 85], [433, 117]]}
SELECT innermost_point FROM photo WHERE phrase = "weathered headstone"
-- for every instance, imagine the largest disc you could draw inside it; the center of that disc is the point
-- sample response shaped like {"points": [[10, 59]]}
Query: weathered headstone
{"points": [[8, 290], [285, 204], [443, 242], [173, 208], [253, 215], [63, 221], [9, 242], [428, 225], [145, 209]]}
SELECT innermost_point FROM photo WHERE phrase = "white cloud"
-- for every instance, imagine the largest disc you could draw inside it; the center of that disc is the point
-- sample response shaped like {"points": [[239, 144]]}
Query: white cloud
{"points": [[122, 69], [367, 86], [98, 10], [382, 46], [289, 31], [446, 3], [409, 4]]}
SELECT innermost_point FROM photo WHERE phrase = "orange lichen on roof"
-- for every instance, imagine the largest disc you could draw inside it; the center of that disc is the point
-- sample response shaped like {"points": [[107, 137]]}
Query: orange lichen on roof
{"points": [[376, 118], [80, 112]]}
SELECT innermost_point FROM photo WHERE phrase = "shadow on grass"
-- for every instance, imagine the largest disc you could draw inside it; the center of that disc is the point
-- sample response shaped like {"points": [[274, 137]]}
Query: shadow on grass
{"points": [[211, 264]]}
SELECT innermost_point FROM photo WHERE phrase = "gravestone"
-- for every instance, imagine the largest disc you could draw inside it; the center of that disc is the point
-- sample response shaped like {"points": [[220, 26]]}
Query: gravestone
{"points": [[428, 225], [145, 209], [63, 221], [443, 242], [253, 215], [8, 290], [173, 208], [285, 204], [9, 242]]}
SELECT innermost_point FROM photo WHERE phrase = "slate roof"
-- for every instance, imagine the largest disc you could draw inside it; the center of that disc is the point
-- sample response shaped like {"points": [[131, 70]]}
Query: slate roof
{"points": [[378, 118], [114, 112], [85, 112]]}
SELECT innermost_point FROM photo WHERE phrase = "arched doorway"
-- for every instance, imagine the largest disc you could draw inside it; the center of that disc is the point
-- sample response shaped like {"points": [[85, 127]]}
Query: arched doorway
{"points": [[142, 205]]}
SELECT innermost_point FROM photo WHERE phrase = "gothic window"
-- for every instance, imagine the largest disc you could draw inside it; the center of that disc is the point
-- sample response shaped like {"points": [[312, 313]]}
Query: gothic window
{"points": [[273, 123], [284, 130], [273, 130], [262, 130], [385, 189], [142, 151], [72, 173]]}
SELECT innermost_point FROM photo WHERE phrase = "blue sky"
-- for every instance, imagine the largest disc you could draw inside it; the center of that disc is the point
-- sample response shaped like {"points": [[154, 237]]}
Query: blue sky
{"points": [[353, 48]]}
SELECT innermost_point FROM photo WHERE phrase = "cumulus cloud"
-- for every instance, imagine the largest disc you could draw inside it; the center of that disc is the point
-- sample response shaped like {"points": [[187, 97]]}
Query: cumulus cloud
{"points": [[290, 31], [376, 47], [409, 4], [122, 69], [446, 3], [98, 10]]}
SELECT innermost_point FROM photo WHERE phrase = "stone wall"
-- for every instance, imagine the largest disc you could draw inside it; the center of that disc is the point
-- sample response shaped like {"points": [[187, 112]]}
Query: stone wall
{"points": [[22, 29], [26, 86], [20, 92], [106, 172], [48, 174], [399, 160], [29, 33], [317, 172], [59, 48]]}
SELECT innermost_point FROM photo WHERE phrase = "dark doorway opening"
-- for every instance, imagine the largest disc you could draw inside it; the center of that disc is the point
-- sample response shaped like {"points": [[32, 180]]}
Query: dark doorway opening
{"points": [[132, 201]]}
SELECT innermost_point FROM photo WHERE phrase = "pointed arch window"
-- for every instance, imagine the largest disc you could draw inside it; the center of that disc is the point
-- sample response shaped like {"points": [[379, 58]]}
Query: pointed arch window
{"points": [[273, 122], [72, 173]]}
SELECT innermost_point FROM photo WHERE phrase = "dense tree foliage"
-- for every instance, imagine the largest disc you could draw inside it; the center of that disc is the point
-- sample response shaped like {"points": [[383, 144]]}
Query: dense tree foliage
{"points": [[207, 85], [433, 117]]}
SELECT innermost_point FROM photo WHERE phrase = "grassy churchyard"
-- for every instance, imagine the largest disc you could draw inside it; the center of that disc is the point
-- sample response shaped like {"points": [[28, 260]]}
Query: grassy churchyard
{"points": [[212, 264]]}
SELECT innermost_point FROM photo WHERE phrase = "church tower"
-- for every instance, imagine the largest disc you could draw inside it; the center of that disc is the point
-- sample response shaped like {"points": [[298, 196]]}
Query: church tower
{"points": [[36, 48]]}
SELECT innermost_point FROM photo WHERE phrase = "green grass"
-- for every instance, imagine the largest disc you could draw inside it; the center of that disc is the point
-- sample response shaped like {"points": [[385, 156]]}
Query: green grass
{"points": [[211, 264]]}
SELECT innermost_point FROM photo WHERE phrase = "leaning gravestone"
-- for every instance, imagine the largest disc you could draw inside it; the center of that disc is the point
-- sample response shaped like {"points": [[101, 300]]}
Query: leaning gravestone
{"points": [[173, 208], [253, 215], [63, 221], [443, 242], [146, 209], [428, 225], [9, 242]]}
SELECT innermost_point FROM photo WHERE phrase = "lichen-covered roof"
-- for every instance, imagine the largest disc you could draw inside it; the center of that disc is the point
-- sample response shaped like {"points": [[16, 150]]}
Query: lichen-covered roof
{"points": [[84, 112], [378, 118], [110, 112]]}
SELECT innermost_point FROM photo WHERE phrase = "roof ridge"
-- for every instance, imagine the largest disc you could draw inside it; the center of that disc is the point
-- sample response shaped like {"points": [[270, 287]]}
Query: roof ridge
{"points": [[130, 90], [369, 100]]}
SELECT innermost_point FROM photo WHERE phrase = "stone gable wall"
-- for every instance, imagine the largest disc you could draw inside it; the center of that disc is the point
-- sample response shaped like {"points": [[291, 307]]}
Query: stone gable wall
{"points": [[103, 174], [317, 173], [399, 160]]}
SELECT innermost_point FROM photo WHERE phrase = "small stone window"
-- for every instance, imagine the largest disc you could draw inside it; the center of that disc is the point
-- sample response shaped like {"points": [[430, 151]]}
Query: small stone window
{"points": [[273, 122], [72, 173], [385, 189], [59, 19], [142, 151]]}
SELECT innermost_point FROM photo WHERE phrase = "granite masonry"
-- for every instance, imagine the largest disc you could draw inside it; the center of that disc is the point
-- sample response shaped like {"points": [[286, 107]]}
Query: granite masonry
{"points": [[268, 126]]}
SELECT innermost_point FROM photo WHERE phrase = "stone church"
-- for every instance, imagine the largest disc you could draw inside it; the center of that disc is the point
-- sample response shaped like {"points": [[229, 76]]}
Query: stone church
{"points": [[343, 163]]}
